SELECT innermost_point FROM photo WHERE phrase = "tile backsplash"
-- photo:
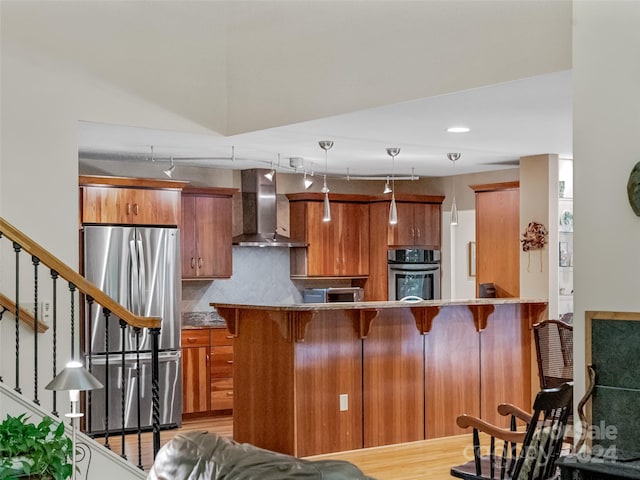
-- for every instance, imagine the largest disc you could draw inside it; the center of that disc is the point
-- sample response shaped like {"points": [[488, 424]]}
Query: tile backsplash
{"points": [[260, 276]]}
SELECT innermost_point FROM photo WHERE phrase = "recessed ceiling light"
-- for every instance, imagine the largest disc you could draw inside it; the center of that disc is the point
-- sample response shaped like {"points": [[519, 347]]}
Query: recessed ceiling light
{"points": [[458, 129]]}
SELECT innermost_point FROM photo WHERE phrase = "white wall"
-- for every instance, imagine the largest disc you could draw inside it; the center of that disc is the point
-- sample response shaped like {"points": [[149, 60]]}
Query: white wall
{"points": [[606, 74]]}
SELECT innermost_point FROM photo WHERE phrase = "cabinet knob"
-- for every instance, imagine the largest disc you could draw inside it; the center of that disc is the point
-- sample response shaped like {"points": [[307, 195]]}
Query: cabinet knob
{"points": [[230, 362], [135, 209], [128, 208], [199, 262], [193, 262], [229, 394], [191, 340], [229, 337]]}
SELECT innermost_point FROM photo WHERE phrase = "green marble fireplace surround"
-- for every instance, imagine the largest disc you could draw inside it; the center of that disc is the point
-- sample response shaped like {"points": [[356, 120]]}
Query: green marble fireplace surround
{"points": [[614, 352]]}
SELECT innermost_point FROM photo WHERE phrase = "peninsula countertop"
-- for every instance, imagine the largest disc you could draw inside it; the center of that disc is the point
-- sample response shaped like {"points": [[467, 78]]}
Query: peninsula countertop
{"points": [[382, 304]]}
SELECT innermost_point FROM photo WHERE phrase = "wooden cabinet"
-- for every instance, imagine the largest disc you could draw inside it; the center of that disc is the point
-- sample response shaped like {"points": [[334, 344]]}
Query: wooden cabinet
{"points": [[418, 226], [195, 371], [419, 220], [130, 201], [207, 371], [206, 230], [339, 247], [221, 370]]}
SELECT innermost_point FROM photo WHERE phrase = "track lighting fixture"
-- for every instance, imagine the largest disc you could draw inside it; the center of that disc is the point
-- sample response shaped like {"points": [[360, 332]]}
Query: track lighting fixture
{"points": [[307, 182], [269, 175], [387, 188], [169, 171], [326, 145]]}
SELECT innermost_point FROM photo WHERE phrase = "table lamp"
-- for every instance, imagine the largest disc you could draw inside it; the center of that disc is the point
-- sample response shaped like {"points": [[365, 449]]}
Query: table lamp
{"points": [[74, 378]]}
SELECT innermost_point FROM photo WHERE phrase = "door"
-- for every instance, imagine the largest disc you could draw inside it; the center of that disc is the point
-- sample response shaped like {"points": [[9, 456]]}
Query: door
{"points": [[138, 268], [498, 240]]}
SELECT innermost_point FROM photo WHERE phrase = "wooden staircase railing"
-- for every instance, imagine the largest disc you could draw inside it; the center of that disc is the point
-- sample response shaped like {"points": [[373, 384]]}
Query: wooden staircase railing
{"points": [[83, 295]]}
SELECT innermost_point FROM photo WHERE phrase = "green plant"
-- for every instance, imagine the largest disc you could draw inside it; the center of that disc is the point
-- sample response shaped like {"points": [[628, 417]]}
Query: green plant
{"points": [[34, 451]]}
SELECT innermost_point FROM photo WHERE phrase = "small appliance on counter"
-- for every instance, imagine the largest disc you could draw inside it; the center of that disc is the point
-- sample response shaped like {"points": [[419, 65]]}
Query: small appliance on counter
{"points": [[332, 294]]}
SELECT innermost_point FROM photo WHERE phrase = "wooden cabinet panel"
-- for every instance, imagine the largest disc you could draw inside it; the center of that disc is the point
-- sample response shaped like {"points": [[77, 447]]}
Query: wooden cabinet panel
{"points": [[222, 394], [134, 206], [418, 226], [452, 371], [497, 240], [195, 380], [207, 370], [221, 362], [505, 359], [393, 369], [195, 338], [339, 247], [206, 239]]}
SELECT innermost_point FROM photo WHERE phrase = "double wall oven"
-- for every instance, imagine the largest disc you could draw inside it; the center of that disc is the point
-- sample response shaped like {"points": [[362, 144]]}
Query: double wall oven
{"points": [[414, 274]]}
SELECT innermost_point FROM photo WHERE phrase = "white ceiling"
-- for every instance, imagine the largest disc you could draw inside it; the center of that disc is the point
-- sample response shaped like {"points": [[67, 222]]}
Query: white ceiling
{"points": [[507, 121]]}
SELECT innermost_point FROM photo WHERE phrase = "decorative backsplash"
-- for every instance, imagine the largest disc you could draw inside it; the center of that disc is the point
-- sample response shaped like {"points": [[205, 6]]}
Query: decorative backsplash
{"points": [[261, 276]]}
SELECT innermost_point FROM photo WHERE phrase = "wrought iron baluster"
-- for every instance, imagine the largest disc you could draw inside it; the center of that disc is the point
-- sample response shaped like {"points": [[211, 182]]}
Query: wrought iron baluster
{"points": [[4, 309], [123, 383], [155, 388], [138, 414], [36, 262], [72, 289], [88, 341], [54, 280], [106, 313], [16, 249]]}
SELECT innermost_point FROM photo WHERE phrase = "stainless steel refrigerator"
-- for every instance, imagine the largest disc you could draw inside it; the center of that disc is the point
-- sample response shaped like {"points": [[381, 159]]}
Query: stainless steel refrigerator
{"points": [[139, 267]]}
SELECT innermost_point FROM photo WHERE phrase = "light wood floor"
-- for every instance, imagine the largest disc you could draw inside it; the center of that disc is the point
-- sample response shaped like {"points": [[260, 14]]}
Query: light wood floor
{"points": [[427, 459]]}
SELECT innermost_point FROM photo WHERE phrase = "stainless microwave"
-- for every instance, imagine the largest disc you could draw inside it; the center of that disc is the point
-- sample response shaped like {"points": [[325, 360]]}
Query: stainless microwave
{"points": [[332, 294]]}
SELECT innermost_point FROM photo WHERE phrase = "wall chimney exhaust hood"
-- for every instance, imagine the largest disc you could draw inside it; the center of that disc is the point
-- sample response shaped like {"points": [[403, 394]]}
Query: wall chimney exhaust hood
{"points": [[259, 222]]}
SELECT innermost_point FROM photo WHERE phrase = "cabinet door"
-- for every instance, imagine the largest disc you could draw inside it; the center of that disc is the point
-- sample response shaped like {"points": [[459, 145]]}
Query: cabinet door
{"points": [[195, 380], [402, 234], [353, 238], [188, 237], [427, 225], [213, 233], [132, 206], [322, 253]]}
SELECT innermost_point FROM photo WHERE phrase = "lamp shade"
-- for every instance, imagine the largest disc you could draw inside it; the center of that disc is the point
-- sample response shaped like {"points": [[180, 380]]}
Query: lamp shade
{"points": [[74, 377]]}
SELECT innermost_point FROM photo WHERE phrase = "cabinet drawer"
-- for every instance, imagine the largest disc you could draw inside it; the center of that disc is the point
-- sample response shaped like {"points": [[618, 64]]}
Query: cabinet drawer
{"points": [[222, 394], [221, 362], [195, 338], [221, 337]]}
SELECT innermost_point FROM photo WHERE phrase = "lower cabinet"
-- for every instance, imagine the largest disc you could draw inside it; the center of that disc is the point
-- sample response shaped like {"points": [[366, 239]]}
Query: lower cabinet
{"points": [[207, 371]]}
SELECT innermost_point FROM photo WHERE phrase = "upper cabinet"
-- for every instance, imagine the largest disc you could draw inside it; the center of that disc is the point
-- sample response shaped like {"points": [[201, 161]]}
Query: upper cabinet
{"points": [[339, 247], [130, 201], [206, 230], [418, 225]]}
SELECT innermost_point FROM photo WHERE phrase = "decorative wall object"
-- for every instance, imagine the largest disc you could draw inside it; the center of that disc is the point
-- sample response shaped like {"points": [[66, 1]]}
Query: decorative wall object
{"points": [[534, 238], [633, 189]]}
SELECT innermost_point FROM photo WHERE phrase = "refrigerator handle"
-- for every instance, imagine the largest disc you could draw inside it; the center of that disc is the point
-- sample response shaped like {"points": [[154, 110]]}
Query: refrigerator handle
{"points": [[142, 277], [135, 285]]}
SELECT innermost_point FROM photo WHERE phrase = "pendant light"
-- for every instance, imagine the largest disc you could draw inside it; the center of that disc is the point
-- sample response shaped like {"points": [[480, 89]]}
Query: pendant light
{"points": [[393, 210], [326, 145], [454, 209]]}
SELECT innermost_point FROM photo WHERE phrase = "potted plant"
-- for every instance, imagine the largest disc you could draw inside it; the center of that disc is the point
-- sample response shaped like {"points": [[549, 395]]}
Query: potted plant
{"points": [[36, 451]]}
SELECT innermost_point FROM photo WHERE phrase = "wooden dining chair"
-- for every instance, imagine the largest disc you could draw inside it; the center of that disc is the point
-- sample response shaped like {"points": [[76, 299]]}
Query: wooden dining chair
{"points": [[524, 455]]}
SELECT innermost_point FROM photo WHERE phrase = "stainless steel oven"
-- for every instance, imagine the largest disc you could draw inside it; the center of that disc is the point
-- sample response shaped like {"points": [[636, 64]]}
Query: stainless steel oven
{"points": [[414, 273]]}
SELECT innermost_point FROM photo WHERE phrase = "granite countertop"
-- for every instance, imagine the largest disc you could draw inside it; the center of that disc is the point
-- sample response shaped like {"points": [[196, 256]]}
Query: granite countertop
{"points": [[191, 320], [383, 304]]}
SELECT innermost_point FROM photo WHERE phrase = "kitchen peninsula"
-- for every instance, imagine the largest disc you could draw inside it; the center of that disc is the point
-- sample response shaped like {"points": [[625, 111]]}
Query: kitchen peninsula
{"points": [[319, 378]]}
